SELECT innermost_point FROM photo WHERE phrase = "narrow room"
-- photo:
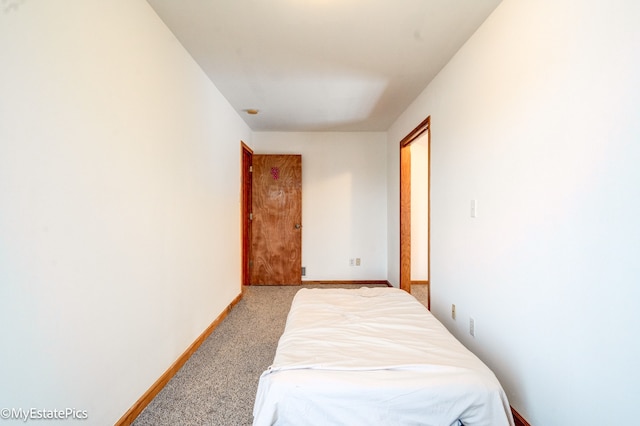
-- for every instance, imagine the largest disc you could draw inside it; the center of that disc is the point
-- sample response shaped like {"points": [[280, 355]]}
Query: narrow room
{"points": [[129, 292]]}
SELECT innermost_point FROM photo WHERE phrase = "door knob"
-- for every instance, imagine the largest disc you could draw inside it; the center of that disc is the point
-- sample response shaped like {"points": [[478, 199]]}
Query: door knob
{"points": [[298, 226]]}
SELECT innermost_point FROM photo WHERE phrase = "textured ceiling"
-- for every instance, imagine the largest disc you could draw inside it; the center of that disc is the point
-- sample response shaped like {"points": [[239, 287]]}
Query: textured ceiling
{"points": [[307, 65]]}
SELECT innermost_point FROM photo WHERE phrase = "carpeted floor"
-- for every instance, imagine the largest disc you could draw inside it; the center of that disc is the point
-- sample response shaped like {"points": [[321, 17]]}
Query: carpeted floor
{"points": [[217, 385]]}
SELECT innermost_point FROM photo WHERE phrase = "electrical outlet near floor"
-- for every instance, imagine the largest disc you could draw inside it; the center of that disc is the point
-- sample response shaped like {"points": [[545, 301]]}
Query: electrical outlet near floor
{"points": [[357, 261], [453, 311]]}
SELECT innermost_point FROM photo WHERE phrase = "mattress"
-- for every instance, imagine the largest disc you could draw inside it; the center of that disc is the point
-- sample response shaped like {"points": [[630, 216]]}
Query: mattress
{"points": [[374, 356]]}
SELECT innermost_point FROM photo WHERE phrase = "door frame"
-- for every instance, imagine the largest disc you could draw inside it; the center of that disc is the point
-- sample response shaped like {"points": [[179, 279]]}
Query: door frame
{"points": [[246, 155], [405, 206]]}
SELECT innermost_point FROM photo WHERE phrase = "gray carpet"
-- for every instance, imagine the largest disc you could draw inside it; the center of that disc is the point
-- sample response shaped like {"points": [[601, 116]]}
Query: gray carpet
{"points": [[217, 385]]}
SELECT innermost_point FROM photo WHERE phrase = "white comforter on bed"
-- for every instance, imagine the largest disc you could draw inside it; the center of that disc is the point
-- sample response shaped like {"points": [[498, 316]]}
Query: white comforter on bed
{"points": [[374, 356]]}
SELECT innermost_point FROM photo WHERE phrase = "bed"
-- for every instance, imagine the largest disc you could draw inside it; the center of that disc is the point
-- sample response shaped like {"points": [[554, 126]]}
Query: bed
{"points": [[374, 356]]}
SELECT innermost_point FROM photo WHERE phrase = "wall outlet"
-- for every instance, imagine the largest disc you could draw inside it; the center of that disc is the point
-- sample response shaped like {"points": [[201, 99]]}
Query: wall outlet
{"points": [[304, 271], [357, 261], [453, 311], [352, 262], [472, 327]]}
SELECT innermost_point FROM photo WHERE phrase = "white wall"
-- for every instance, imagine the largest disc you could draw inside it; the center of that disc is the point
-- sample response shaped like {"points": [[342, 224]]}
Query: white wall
{"points": [[420, 208], [536, 117], [119, 195], [344, 210], [393, 203]]}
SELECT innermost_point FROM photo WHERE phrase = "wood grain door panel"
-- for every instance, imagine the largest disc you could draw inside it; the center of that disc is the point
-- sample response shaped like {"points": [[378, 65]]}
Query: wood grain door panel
{"points": [[277, 220]]}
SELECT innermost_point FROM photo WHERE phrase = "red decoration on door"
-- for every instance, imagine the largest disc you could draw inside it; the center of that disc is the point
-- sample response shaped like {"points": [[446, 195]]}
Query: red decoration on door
{"points": [[275, 173]]}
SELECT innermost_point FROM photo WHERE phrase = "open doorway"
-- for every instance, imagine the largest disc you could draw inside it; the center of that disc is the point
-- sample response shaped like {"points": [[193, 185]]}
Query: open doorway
{"points": [[414, 254]]}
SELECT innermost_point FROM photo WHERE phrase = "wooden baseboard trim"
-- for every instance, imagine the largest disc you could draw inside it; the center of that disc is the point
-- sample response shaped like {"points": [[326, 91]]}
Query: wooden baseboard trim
{"points": [[518, 420], [419, 282], [148, 396], [352, 282]]}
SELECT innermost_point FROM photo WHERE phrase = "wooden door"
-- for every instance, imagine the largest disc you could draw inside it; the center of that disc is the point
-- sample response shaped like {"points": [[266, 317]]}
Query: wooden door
{"points": [[277, 220]]}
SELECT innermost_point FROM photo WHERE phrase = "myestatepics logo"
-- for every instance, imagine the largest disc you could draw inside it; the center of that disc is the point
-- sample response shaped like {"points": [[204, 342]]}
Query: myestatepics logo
{"points": [[42, 414]]}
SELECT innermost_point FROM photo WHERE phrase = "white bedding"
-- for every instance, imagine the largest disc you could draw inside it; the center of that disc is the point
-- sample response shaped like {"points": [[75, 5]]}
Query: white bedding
{"points": [[374, 356]]}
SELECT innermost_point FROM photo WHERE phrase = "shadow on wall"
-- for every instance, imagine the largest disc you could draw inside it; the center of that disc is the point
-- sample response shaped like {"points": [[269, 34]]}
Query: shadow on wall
{"points": [[12, 5]]}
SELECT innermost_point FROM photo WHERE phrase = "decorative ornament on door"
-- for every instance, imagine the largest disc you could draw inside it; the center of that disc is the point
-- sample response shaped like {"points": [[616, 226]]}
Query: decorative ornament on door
{"points": [[275, 173]]}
